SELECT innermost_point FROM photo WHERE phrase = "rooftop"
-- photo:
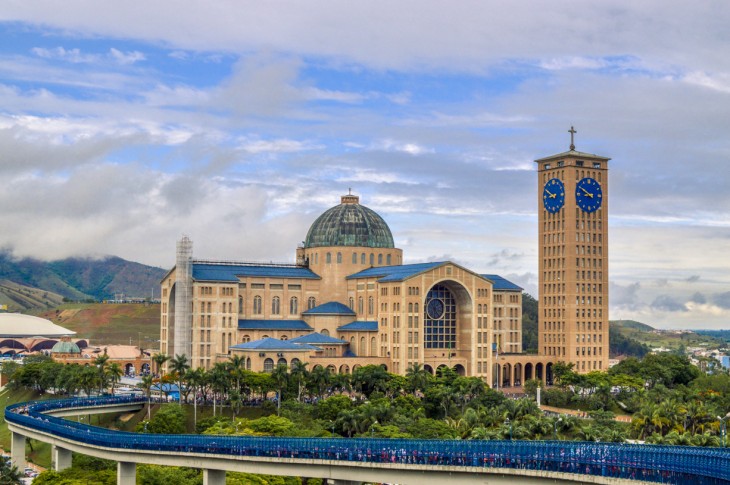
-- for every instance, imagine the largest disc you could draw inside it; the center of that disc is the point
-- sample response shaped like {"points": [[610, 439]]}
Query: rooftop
{"points": [[207, 271], [273, 325], [395, 273], [330, 308], [502, 284]]}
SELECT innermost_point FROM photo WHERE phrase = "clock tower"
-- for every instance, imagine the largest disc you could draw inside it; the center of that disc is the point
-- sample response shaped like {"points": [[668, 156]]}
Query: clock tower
{"points": [[573, 258]]}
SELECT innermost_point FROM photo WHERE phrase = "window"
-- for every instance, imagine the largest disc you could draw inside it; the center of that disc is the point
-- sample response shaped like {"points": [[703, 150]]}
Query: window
{"points": [[329, 258], [371, 305], [372, 259], [360, 307], [293, 306], [440, 319], [325, 332], [387, 260], [362, 258], [339, 258], [240, 304], [311, 303], [269, 365], [351, 303], [380, 259], [354, 258], [257, 305]]}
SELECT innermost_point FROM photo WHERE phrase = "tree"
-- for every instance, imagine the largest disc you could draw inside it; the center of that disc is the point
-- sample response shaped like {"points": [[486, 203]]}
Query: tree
{"points": [[281, 377], [9, 474], [418, 378], [195, 379], [159, 360], [170, 419], [100, 362], [146, 385], [114, 373], [320, 378], [179, 366], [299, 373]]}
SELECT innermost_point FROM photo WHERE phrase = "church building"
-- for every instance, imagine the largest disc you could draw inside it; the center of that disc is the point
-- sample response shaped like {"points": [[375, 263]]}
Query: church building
{"points": [[348, 300]]}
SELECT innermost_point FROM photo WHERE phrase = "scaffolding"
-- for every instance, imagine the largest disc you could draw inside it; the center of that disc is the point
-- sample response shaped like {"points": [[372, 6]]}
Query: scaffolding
{"points": [[183, 332]]}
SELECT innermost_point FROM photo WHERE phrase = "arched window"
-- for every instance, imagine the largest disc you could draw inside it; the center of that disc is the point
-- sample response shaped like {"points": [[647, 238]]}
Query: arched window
{"points": [[328, 258], [363, 347], [371, 305], [372, 259], [388, 260], [245, 338], [351, 302], [380, 259], [439, 322], [339, 258], [410, 308], [284, 337], [248, 363], [268, 365], [360, 306], [275, 306], [281, 361], [373, 347], [311, 303], [240, 304], [257, 305], [293, 306], [415, 308], [294, 361], [362, 258], [354, 258], [325, 332], [316, 258], [230, 307], [223, 307]]}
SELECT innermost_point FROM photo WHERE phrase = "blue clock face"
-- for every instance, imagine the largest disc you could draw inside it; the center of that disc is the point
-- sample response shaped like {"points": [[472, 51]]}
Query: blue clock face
{"points": [[553, 195], [435, 309], [588, 195]]}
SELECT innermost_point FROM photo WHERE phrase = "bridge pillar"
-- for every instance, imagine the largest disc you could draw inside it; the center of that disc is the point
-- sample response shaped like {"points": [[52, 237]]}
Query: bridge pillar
{"points": [[333, 481], [126, 473], [214, 477], [18, 450], [61, 458]]}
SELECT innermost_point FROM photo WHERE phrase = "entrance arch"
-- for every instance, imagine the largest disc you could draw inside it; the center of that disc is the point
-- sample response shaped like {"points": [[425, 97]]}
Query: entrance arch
{"points": [[528, 372], [129, 369], [428, 368], [460, 370]]}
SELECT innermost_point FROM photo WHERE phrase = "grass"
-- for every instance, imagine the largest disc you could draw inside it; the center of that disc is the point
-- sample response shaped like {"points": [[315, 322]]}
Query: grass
{"points": [[35, 451]]}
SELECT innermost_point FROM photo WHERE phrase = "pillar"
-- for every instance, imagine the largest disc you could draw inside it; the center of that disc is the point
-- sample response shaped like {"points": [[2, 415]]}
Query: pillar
{"points": [[61, 458], [18, 450], [214, 477], [126, 473], [333, 481]]}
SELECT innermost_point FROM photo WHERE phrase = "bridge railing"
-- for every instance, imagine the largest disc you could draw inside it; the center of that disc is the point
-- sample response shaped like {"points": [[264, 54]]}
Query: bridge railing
{"points": [[665, 464]]}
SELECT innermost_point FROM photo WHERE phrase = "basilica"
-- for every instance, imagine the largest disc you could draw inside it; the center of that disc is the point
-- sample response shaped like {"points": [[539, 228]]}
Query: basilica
{"points": [[349, 301]]}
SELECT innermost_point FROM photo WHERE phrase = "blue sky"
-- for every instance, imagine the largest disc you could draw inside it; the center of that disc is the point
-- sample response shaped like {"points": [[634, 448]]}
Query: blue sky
{"points": [[124, 125]]}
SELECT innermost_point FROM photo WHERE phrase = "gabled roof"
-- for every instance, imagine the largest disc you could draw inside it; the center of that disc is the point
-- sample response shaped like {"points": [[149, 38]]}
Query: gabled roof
{"points": [[395, 273], [502, 284], [330, 308], [274, 344], [273, 325], [231, 271], [318, 339], [572, 153], [359, 326]]}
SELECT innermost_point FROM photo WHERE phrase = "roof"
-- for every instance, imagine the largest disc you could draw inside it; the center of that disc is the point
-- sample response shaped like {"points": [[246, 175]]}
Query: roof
{"points": [[359, 326], [273, 325], [66, 347], [502, 284], [349, 224], [571, 153], [274, 344], [330, 308], [15, 325], [231, 271], [317, 338], [117, 351], [395, 273]]}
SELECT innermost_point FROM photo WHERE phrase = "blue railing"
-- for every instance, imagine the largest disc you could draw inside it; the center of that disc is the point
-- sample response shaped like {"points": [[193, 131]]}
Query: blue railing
{"points": [[664, 464]]}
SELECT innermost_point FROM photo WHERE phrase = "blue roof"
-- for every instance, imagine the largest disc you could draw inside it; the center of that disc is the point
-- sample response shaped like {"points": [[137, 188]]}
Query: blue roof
{"points": [[501, 283], [359, 326], [318, 339], [273, 344], [395, 273], [230, 272], [273, 325], [330, 308]]}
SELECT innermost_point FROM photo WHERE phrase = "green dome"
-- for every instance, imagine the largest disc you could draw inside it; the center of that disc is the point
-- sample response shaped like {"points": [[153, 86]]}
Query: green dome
{"points": [[65, 347], [349, 224]]}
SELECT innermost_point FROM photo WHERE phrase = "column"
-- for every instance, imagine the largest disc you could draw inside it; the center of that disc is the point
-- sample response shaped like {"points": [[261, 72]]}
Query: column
{"points": [[61, 458], [18, 451], [333, 481], [214, 477], [126, 473]]}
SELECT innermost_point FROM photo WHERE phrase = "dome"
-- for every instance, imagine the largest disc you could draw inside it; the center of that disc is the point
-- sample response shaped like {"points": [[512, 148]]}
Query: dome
{"points": [[349, 224], [65, 347], [17, 325]]}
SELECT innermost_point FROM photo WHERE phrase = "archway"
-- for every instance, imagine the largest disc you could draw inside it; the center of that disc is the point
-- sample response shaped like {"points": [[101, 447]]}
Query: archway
{"points": [[528, 371], [549, 374], [517, 379], [428, 368], [145, 368], [129, 369], [344, 369], [281, 361], [447, 315], [268, 364], [460, 370], [506, 374], [331, 369], [538, 371]]}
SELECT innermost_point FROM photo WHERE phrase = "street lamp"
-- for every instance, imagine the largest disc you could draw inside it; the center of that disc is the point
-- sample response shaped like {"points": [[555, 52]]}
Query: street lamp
{"points": [[507, 422], [555, 428], [723, 428], [372, 428], [333, 428]]}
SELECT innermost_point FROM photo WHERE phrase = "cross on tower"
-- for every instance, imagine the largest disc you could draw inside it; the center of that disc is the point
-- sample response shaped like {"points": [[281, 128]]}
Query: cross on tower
{"points": [[572, 132]]}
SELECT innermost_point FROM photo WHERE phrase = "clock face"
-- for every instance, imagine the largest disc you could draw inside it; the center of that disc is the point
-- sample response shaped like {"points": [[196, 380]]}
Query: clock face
{"points": [[553, 195], [588, 194], [435, 309]]}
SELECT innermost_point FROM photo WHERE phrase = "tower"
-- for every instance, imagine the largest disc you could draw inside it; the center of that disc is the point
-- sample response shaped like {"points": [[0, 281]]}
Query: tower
{"points": [[182, 326], [573, 258]]}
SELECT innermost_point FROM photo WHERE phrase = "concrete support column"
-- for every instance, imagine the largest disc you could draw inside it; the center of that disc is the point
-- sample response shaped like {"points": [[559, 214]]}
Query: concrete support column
{"points": [[214, 477], [332, 481], [18, 451], [61, 458], [126, 473]]}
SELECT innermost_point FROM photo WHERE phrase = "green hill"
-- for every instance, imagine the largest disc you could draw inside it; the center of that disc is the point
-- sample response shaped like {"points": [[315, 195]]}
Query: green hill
{"points": [[633, 324]]}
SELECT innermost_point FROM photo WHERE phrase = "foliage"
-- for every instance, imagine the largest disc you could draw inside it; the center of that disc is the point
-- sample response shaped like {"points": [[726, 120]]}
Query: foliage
{"points": [[170, 419], [530, 321], [9, 474]]}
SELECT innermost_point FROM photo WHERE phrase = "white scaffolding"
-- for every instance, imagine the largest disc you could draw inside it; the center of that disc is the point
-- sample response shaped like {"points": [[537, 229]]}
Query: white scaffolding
{"points": [[183, 298]]}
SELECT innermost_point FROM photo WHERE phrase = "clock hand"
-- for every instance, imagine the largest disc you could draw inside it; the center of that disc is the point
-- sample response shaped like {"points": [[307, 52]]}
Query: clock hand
{"points": [[586, 192], [550, 193]]}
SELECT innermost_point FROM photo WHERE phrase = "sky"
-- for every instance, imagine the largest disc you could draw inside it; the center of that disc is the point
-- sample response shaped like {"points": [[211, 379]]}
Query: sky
{"points": [[124, 125]]}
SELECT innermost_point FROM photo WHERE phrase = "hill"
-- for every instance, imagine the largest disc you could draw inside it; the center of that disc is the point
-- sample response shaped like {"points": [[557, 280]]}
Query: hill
{"points": [[74, 279], [633, 324]]}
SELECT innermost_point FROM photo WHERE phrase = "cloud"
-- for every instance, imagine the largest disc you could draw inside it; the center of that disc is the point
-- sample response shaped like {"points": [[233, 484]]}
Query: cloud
{"points": [[668, 303], [722, 300], [75, 55], [129, 57]]}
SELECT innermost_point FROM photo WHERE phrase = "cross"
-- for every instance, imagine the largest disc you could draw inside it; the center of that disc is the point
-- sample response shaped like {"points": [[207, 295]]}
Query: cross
{"points": [[572, 132]]}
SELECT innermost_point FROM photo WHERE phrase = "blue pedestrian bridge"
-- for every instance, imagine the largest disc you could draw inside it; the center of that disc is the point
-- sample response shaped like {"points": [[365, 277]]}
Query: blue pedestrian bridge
{"points": [[355, 460]]}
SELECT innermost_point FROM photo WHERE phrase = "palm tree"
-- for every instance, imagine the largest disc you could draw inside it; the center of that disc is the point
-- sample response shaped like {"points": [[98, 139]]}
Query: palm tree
{"points": [[280, 376], [159, 360], [300, 373], [236, 365], [114, 373], [146, 385], [179, 366], [195, 379], [320, 377], [219, 379], [100, 363], [88, 379], [418, 378]]}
